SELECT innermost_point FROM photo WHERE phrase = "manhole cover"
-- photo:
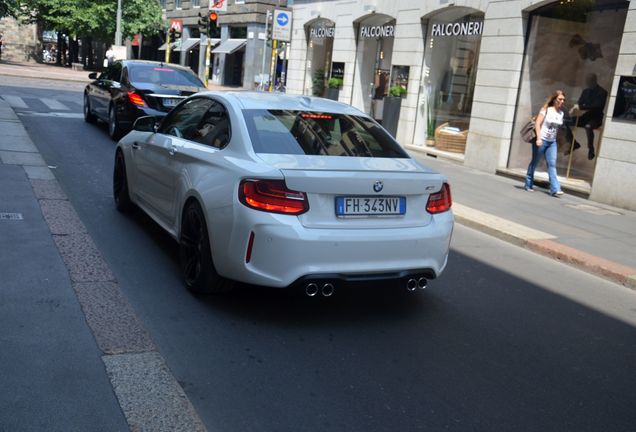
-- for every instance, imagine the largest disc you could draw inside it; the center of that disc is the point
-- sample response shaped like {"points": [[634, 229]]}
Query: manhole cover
{"points": [[10, 216], [599, 211]]}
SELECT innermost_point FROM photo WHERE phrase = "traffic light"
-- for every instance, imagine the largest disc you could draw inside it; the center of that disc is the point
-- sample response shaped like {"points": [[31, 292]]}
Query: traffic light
{"points": [[214, 21], [174, 34], [269, 25], [203, 24]]}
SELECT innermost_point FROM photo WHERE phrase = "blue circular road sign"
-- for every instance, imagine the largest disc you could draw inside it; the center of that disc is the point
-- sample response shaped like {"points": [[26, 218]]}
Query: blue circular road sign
{"points": [[282, 19]]}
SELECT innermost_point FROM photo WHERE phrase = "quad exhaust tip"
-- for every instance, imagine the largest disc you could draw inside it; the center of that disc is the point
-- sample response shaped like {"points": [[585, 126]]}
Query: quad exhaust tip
{"points": [[413, 284], [312, 289], [327, 290], [422, 283]]}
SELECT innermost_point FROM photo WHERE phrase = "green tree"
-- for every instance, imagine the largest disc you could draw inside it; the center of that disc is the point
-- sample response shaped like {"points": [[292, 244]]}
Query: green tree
{"points": [[8, 8], [93, 18]]}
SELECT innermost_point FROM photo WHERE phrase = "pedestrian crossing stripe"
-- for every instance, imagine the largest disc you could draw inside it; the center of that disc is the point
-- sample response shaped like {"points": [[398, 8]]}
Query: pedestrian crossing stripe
{"points": [[52, 104], [51, 114], [15, 101]]}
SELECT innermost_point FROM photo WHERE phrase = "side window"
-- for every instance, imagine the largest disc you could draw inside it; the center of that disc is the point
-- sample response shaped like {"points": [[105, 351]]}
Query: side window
{"points": [[124, 77], [182, 121], [214, 128], [104, 76], [114, 71]]}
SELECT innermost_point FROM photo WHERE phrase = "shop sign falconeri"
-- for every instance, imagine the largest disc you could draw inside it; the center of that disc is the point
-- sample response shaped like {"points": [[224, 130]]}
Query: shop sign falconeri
{"points": [[322, 32], [377, 31], [471, 28]]}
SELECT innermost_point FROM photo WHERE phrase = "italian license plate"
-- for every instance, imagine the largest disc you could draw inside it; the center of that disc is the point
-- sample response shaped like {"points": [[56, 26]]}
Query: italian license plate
{"points": [[370, 206], [171, 102]]}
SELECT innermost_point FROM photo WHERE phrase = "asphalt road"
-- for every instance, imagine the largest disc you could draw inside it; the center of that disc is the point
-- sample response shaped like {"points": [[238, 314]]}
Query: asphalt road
{"points": [[505, 340]]}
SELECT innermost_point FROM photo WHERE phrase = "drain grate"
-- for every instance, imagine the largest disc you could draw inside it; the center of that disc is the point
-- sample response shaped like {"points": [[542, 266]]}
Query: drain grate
{"points": [[10, 216]]}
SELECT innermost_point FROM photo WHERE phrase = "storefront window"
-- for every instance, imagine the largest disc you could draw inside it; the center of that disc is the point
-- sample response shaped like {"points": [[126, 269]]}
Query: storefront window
{"points": [[374, 51], [571, 47], [399, 80], [450, 68], [320, 36]]}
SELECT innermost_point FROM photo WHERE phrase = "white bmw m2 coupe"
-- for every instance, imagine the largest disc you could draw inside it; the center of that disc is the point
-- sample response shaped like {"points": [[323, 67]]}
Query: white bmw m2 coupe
{"points": [[280, 191]]}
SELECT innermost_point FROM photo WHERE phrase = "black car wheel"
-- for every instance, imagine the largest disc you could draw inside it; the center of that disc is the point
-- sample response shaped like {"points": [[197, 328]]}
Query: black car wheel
{"points": [[114, 130], [196, 257], [89, 117], [120, 184]]}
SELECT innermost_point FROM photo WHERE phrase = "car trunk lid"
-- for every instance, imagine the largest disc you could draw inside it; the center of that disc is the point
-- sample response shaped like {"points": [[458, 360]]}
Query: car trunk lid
{"points": [[330, 181]]}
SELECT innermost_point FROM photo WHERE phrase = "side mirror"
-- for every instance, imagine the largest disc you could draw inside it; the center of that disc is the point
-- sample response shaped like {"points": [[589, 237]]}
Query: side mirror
{"points": [[146, 124], [92, 75]]}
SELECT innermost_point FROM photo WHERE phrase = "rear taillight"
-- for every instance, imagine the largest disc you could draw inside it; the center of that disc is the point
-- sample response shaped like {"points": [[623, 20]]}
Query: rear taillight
{"points": [[440, 201], [272, 196], [136, 99]]}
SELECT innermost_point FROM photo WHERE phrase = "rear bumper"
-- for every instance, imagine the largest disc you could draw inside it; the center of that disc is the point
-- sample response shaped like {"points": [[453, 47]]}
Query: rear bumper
{"points": [[286, 253]]}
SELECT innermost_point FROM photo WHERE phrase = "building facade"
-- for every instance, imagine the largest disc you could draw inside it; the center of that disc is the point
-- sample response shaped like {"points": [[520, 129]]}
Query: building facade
{"points": [[238, 46], [471, 73], [19, 41]]}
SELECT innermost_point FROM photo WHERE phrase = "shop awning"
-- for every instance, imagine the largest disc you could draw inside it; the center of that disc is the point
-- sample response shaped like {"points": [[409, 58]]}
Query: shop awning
{"points": [[163, 47], [228, 46], [188, 44]]}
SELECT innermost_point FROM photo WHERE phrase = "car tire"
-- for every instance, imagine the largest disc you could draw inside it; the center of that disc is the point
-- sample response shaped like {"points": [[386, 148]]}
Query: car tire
{"points": [[197, 267], [121, 193], [89, 117], [114, 130]]}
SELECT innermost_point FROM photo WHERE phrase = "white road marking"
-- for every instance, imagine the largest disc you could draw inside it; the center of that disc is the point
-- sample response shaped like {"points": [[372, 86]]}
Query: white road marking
{"points": [[52, 114], [15, 101], [53, 104]]}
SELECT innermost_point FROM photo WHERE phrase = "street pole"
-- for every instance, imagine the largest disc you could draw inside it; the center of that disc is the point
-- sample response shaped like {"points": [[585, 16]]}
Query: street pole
{"points": [[207, 61], [283, 74], [272, 68], [264, 48], [168, 46], [118, 25]]}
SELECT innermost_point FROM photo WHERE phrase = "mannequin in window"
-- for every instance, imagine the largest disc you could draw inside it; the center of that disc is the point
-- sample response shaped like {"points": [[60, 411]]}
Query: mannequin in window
{"points": [[448, 81], [592, 101]]}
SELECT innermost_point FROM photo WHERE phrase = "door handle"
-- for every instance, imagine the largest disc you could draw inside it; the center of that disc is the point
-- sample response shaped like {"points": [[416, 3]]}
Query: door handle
{"points": [[135, 146], [172, 150]]}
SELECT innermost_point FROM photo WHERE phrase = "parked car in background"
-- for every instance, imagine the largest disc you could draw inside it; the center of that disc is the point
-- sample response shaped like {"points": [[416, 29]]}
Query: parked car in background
{"points": [[279, 191], [129, 89]]}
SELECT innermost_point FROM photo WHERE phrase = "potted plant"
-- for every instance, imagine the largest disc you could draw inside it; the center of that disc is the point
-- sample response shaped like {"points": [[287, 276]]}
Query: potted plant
{"points": [[318, 83], [333, 88], [431, 110], [391, 113]]}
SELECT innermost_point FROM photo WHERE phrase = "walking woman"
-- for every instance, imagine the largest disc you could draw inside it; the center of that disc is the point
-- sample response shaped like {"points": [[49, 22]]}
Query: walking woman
{"points": [[547, 124]]}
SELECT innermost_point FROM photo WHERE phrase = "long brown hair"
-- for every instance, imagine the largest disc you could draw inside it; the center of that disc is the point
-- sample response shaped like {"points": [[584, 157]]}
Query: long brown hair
{"points": [[550, 101]]}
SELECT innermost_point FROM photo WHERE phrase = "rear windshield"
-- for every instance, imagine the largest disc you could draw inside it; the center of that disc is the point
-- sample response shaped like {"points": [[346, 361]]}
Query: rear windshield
{"points": [[155, 74], [319, 134]]}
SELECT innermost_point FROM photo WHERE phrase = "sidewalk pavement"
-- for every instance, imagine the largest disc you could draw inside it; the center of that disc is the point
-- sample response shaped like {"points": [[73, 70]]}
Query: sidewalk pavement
{"points": [[74, 354], [59, 73], [594, 237]]}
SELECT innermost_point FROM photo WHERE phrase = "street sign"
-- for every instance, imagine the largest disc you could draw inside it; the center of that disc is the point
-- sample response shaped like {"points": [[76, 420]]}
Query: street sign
{"points": [[177, 25], [281, 28], [218, 5]]}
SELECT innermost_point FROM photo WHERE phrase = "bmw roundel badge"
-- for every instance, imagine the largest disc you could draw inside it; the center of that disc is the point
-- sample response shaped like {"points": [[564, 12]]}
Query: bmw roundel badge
{"points": [[378, 186]]}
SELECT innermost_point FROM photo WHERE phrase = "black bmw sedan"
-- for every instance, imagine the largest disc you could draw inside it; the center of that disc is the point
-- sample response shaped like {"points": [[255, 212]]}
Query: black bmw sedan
{"points": [[129, 89]]}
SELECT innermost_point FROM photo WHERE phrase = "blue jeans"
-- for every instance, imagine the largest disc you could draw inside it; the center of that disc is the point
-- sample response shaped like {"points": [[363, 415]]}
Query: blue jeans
{"points": [[549, 150]]}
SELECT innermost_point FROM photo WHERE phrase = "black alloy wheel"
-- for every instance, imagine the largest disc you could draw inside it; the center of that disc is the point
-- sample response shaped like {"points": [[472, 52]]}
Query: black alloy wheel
{"points": [[114, 130], [195, 255], [89, 117], [120, 184]]}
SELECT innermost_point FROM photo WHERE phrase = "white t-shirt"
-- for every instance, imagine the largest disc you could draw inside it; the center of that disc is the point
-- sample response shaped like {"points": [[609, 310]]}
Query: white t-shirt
{"points": [[551, 122]]}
